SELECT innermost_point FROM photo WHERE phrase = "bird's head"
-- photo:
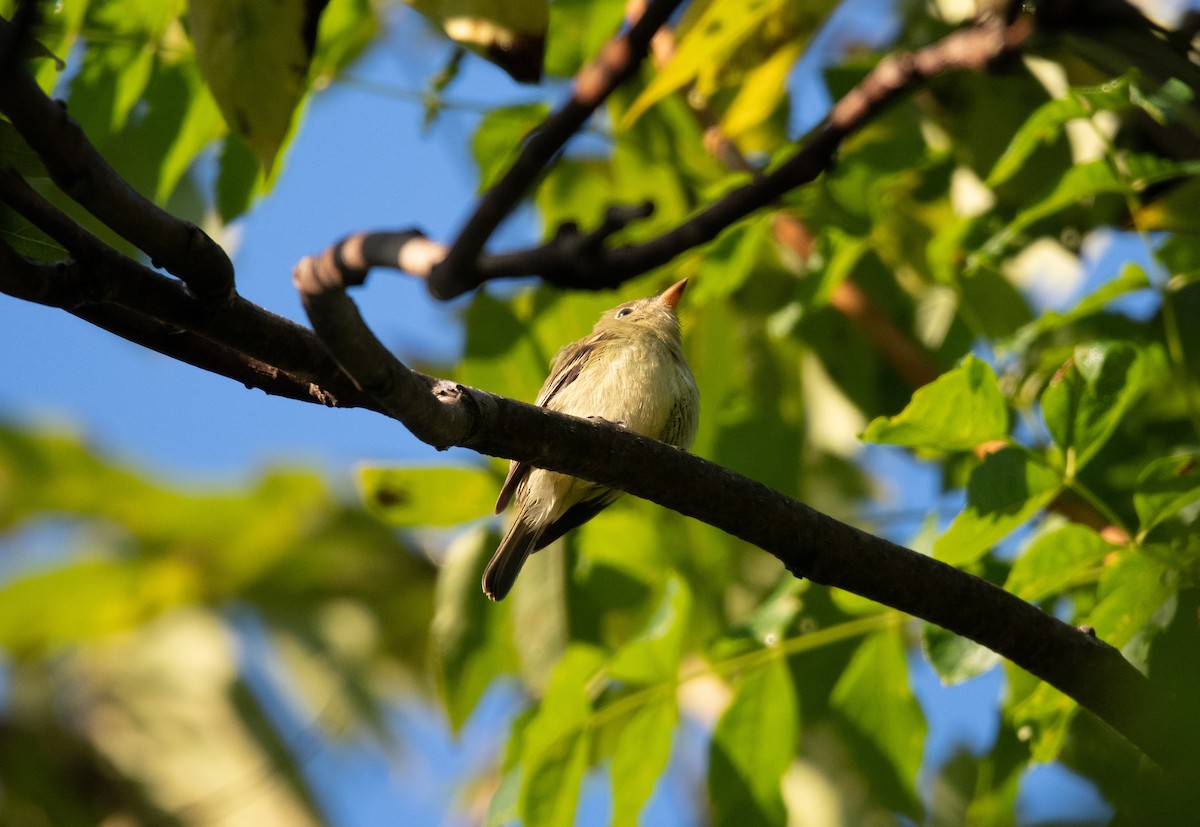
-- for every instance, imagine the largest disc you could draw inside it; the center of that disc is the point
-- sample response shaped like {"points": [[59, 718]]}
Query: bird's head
{"points": [[655, 314]]}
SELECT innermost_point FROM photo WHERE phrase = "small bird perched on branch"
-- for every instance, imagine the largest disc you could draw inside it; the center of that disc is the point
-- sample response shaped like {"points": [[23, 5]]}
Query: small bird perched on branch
{"points": [[631, 371]]}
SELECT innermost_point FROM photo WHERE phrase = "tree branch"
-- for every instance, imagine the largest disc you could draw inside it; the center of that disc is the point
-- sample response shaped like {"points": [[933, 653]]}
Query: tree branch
{"points": [[581, 261], [180, 247], [809, 544], [617, 61], [238, 339]]}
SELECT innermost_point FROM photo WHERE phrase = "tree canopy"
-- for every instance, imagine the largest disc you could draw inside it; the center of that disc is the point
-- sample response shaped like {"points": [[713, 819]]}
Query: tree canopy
{"points": [[978, 263]]}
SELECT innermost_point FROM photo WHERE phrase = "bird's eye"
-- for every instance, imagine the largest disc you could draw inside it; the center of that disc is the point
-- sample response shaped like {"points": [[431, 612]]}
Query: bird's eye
{"points": [[623, 312]]}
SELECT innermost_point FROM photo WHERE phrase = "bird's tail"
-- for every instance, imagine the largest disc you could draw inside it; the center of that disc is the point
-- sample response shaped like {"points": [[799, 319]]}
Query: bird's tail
{"points": [[510, 556]]}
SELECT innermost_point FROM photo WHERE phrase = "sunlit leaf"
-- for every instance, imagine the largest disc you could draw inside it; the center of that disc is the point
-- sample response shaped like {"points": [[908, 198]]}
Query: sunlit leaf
{"points": [[556, 742], [953, 657], [1165, 487], [1086, 401], [653, 656], [86, 600], [641, 757], [963, 408], [471, 637], [874, 697], [438, 496], [254, 55], [500, 137], [754, 741], [1057, 560], [1005, 490]]}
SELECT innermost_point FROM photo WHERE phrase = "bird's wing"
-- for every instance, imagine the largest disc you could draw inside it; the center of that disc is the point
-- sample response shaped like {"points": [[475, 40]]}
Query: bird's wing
{"points": [[568, 364], [576, 516]]}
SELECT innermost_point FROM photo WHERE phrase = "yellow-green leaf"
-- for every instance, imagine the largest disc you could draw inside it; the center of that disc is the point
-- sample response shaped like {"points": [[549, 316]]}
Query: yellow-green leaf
{"points": [[420, 497], [254, 55]]}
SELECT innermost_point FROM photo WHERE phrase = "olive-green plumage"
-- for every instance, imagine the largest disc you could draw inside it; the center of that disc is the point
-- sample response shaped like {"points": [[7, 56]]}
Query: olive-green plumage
{"points": [[629, 370]]}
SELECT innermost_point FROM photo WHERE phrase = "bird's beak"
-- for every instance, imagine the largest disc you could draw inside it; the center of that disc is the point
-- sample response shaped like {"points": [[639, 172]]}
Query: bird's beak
{"points": [[671, 296]]}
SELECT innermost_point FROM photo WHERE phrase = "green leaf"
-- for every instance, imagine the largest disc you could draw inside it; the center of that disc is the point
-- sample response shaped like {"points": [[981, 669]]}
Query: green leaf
{"points": [[653, 656], [953, 657], [255, 55], [873, 695], [1079, 183], [960, 410], [17, 155], [471, 637], [418, 497], [1164, 488], [88, 599], [501, 355], [578, 29], [1087, 399], [1056, 561], [752, 745], [1131, 592], [198, 123], [640, 758], [1004, 491], [1131, 278], [557, 740], [239, 179], [1041, 127], [346, 29], [499, 139]]}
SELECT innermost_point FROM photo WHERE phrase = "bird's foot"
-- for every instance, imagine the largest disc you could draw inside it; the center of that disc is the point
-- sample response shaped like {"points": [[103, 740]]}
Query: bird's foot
{"points": [[620, 423]]}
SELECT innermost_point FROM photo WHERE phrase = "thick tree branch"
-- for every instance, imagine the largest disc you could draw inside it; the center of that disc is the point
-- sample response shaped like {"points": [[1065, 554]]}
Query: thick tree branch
{"points": [[238, 339], [177, 246], [809, 544]]}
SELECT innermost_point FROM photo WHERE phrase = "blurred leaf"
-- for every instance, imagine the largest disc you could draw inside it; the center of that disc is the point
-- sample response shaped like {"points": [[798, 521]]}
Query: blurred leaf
{"points": [[89, 599], [1057, 560], [435, 496], [753, 743], [963, 408], [499, 139], [556, 742], [578, 29], [654, 655], [1131, 278], [873, 695], [1164, 488], [1004, 491], [761, 93], [344, 32], [1079, 183], [509, 33], [1173, 210], [198, 122], [641, 757], [1041, 127], [501, 356], [255, 55], [1087, 399], [471, 637], [239, 179], [953, 657]]}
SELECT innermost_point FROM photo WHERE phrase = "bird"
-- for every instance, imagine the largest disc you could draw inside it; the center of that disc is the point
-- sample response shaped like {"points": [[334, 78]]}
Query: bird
{"points": [[630, 371]]}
